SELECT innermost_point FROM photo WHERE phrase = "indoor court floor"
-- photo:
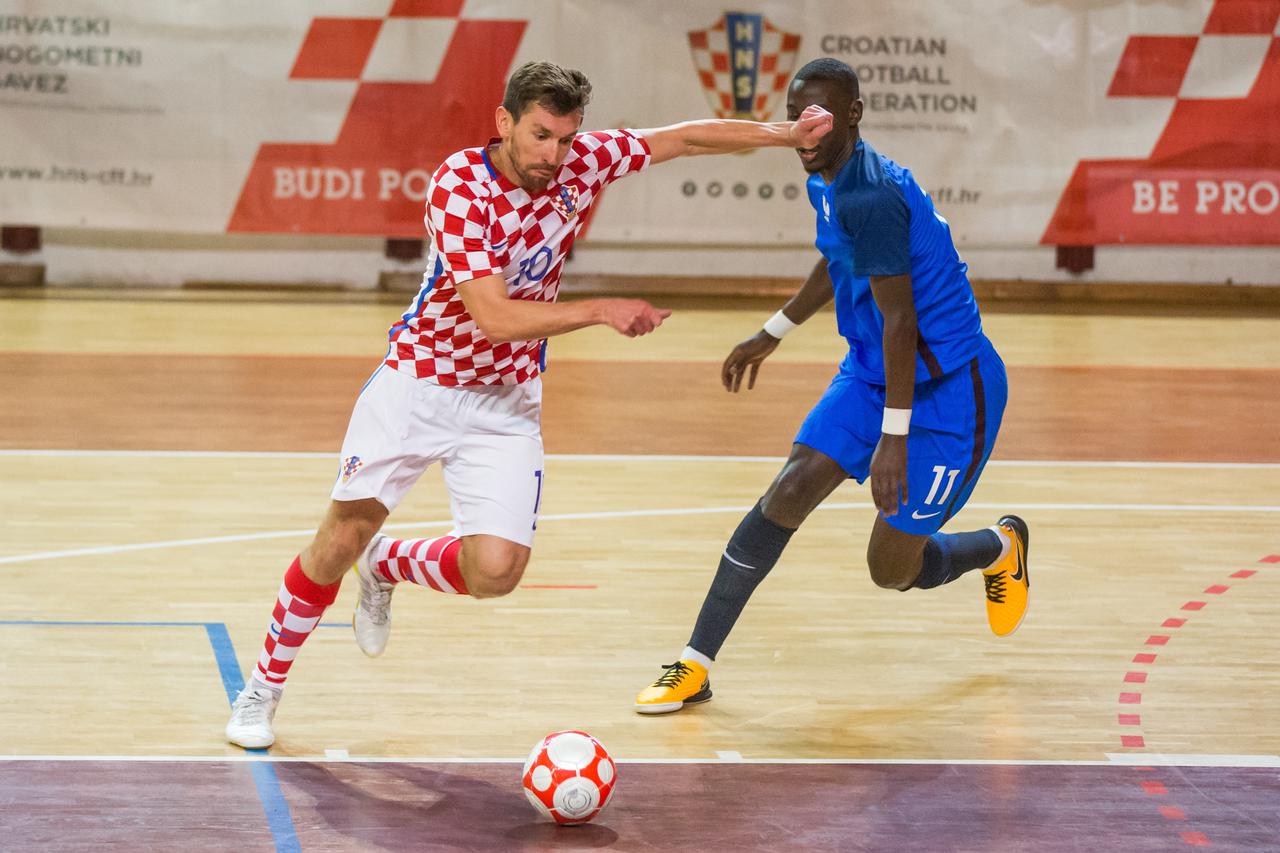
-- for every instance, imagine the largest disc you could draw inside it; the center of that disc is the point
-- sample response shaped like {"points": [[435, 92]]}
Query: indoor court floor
{"points": [[164, 456]]}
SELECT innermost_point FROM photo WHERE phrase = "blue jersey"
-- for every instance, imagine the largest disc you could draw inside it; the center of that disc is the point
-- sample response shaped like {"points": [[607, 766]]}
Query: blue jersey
{"points": [[875, 220]]}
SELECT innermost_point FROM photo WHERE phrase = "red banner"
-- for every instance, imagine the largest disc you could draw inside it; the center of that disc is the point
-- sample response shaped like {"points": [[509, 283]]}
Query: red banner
{"points": [[373, 178], [1213, 177]]}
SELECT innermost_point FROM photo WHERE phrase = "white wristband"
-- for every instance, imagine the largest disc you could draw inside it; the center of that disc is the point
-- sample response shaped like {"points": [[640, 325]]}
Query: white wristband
{"points": [[896, 421], [778, 325]]}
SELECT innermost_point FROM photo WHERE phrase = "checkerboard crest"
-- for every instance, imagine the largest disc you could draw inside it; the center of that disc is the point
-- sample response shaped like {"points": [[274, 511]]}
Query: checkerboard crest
{"points": [[566, 201], [744, 64]]}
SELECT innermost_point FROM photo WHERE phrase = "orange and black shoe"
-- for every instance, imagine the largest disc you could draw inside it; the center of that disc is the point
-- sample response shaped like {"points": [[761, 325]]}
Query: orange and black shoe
{"points": [[1007, 580], [685, 682]]}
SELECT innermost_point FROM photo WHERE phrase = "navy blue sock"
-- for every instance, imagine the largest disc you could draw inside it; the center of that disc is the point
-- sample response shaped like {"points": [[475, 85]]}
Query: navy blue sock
{"points": [[949, 555], [752, 551]]}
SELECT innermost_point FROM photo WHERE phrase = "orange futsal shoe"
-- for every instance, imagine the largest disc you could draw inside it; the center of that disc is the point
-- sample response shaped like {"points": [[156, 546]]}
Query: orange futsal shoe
{"points": [[1007, 581], [685, 682]]}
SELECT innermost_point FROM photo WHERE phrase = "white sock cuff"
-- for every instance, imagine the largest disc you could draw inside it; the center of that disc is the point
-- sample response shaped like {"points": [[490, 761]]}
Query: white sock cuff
{"points": [[257, 685], [1005, 542], [690, 653]]}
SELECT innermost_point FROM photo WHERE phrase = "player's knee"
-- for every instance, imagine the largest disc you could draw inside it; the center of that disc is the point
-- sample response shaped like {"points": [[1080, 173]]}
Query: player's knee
{"points": [[493, 582], [495, 575], [888, 573]]}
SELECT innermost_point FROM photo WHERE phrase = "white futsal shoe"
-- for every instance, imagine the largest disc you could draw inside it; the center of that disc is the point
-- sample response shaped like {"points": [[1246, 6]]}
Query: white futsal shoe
{"points": [[251, 716], [372, 619]]}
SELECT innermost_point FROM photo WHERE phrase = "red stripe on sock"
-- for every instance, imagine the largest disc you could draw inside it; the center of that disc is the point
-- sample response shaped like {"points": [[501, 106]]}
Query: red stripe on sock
{"points": [[301, 586], [449, 566], [436, 547]]}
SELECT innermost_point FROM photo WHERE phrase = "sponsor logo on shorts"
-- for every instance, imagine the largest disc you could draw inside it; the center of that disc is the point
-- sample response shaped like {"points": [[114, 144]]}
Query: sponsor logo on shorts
{"points": [[350, 466]]}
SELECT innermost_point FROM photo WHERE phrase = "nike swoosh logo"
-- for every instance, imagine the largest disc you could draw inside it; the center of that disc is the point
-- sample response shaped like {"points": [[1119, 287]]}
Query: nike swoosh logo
{"points": [[918, 517], [1022, 566], [497, 246]]}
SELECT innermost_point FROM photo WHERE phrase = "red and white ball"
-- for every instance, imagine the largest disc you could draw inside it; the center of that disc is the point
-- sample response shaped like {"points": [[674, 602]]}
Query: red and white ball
{"points": [[569, 777]]}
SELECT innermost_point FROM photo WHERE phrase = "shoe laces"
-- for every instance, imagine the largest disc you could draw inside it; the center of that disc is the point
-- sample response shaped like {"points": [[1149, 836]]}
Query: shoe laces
{"points": [[375, 597], [254, 707], [675, 673], [995, 587]]}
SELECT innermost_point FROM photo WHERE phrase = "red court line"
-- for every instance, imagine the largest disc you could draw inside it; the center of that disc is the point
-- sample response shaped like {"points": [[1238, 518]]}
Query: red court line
{"points": [[1155, 787]]}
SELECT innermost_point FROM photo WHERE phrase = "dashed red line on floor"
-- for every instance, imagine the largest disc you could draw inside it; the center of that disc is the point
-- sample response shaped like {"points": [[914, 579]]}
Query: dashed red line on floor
{"points": [[1151, 786]]}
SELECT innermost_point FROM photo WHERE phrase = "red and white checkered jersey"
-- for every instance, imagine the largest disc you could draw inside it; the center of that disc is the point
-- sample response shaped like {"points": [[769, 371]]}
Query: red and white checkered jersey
{"points": [[481, 224]]}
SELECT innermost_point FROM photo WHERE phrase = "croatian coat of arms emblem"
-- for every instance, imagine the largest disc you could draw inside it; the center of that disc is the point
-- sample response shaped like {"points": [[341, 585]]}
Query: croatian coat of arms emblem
{"points": [[744, 64]]}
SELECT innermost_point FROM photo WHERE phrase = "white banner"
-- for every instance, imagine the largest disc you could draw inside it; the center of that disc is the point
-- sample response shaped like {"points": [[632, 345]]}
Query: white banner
{"points": [[1030, 122]]}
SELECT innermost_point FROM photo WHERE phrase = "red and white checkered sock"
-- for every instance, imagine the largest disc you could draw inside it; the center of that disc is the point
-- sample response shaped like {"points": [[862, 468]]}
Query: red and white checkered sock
{"points": [[299, 607], [427, 562]]}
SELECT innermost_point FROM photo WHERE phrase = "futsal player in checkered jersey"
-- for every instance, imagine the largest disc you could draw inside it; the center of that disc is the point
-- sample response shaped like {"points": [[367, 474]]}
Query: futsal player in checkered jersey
{"points": [[916, 404], [460, 383]]}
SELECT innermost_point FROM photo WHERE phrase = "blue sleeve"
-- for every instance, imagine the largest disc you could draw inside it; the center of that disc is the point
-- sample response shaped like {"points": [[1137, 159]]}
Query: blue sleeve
{"points": [[878, 221]]}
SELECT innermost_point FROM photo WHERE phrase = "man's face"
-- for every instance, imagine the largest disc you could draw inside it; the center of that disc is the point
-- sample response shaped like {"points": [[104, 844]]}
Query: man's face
{"points": [[831, 97], [537, 144]]}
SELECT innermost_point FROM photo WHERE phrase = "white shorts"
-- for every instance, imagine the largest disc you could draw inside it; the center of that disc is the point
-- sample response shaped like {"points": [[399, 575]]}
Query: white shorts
{"points": [[488, 440]]}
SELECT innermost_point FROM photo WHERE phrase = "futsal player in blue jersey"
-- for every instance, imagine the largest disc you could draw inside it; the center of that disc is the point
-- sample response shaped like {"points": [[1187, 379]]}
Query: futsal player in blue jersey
{"points": [[915, 406]]}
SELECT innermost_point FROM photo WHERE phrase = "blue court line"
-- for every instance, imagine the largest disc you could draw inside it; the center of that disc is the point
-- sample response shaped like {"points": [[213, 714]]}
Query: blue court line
{"points": [[274, 805]]}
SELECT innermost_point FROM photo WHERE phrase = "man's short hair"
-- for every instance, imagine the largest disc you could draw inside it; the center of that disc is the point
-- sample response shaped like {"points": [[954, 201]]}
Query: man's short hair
{"points": [[832, 71], [560, 90]]}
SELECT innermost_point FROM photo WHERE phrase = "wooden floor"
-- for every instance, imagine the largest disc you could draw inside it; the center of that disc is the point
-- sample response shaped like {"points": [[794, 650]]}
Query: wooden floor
{"points": [[162, 460]]}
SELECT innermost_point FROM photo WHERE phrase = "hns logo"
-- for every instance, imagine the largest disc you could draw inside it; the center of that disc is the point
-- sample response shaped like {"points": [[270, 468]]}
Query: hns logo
{"points": [[744, 63], [566, 201], [350, 466]]}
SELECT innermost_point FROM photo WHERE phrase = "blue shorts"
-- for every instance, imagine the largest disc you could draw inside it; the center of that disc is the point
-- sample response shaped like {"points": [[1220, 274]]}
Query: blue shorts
{"points": [[954, 422]]}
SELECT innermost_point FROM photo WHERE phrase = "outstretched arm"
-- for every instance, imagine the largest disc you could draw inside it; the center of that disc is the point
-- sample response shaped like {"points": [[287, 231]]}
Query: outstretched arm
{"points": [[812, 295], [502, 319], [724, 136]]}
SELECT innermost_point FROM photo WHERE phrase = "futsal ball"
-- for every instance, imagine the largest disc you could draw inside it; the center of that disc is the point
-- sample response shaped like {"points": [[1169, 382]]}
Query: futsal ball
{"points": [[569, 777]]}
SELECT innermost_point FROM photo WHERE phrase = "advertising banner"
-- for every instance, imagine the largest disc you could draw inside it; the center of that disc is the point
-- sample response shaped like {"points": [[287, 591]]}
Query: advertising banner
{"points": [[1062, 123]]}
